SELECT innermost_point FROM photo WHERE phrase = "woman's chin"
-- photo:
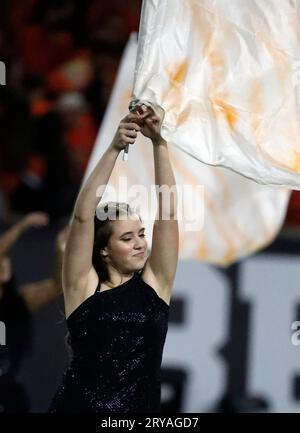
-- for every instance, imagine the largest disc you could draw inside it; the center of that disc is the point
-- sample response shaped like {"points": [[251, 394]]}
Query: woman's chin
{"points": [[138, 267]]}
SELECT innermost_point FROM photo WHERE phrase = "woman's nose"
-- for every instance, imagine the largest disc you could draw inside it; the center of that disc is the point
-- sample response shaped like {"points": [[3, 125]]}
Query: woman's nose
{"points": [[140, 243]]}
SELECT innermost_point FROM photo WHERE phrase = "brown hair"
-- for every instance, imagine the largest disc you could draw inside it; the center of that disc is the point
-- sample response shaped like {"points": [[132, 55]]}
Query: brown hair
{"points": [[105, 214]]}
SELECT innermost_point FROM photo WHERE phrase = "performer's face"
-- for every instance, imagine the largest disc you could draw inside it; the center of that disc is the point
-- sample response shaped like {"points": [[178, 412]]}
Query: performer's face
{"points": [[126, 249], [5, 270]]}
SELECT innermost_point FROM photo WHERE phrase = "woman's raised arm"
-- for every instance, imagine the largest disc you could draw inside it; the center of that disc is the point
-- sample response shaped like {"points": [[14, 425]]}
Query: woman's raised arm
{"points": [[10, 236], [78, 272], [160, 268]]}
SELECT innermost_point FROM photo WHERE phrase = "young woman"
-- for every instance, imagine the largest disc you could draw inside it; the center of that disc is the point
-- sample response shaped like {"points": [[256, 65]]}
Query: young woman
{"points": [[116, 300]]}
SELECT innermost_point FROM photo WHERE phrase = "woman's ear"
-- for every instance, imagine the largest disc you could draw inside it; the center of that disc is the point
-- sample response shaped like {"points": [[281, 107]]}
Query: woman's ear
{"points": [[104, 252]]}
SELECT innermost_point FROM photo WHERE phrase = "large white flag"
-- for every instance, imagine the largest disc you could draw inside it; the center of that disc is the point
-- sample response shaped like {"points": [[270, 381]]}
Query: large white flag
{"points": [[222, 216], [227, 74]]}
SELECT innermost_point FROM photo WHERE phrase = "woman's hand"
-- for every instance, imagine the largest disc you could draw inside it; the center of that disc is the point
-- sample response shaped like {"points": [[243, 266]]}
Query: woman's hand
{"points": [[35, 219], [126, 132], [150, 122]]}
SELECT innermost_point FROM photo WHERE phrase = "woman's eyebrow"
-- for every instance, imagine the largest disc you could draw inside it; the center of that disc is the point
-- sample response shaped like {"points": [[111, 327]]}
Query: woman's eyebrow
{"points": [[130, 233], [126, 233]]}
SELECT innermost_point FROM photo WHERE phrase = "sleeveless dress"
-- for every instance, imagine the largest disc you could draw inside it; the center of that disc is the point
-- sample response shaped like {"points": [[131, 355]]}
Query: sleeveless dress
{"points": [[117, 338]]}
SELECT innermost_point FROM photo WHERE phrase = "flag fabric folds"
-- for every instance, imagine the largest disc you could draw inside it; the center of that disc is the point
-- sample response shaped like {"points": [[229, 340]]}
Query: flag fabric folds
{"points": [[227, 74], [222, 216]]}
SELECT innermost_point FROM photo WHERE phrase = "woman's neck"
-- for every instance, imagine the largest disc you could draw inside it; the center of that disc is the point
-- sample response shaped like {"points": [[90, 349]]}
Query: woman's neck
{"points": [[116, 278]]}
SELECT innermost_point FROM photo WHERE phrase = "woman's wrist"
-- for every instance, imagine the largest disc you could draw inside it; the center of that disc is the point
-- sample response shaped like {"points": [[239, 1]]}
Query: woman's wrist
{"points": [[22, 225], [159, 141], [112, 149]]}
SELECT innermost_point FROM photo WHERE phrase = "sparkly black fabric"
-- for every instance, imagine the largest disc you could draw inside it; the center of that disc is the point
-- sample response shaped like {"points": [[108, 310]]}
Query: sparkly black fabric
{"points": [[117, 338]]}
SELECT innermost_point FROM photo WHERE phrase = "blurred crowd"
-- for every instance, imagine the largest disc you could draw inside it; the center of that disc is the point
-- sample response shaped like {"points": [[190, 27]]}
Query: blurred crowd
{"points": [[61, 59]]}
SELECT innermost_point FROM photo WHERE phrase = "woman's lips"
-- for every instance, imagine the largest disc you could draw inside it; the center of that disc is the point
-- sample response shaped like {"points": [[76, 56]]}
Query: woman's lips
{"points": [[139, 254]]}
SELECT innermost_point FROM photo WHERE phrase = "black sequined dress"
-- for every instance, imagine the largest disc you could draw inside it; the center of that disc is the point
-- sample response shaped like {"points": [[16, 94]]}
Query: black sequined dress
{"points": [[117, 338]]}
